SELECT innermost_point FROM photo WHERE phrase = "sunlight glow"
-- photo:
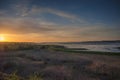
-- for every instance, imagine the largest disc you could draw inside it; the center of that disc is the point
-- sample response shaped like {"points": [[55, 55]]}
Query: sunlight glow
{"points": [[2, 38]]}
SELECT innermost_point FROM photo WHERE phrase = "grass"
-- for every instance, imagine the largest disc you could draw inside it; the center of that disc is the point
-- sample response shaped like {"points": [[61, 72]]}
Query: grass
{"points": [[35, 76], [14, 76], [75, 65], [88, 52], [12, 46], [91, 52], [32, 46]]}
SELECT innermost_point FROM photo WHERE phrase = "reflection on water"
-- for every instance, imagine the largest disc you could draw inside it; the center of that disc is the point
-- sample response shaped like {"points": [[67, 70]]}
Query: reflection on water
{"points": [[95, 47]]}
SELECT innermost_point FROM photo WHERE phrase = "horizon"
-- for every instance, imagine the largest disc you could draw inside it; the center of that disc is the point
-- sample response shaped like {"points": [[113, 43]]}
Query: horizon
{"points": [[59, 20], [63, 42]]}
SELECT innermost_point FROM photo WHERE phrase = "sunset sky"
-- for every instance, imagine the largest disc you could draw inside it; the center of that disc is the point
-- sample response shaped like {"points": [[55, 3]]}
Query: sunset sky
{"points": [[59, 20]]}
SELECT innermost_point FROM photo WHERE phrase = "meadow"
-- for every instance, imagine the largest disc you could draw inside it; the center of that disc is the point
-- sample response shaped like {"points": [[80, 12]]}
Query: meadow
{"points": [[32, 61]]}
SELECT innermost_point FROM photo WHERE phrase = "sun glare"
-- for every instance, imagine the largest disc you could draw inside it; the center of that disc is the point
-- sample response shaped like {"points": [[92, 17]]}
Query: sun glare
{"points": [[2, 38]]}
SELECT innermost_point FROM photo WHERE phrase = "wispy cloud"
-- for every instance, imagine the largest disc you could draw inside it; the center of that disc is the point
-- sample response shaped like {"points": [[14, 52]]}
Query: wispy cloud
{"points": [[21, 20], [63, 14], [29, 26], [24, 26], [23, 8]]}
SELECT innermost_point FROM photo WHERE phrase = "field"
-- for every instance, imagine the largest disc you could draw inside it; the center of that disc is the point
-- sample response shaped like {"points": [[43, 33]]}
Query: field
{"points": [[30, 61]]}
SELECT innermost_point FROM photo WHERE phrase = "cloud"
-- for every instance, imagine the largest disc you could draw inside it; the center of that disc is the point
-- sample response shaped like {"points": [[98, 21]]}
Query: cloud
{"points": [[24, 26], [37, 28], [40, 10], [24, 8], [21, 8], [2, 12]]}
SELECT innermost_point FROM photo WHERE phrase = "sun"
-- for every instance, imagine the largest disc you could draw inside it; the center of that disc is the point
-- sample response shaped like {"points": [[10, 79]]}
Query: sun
{"points": [[2, 38]]}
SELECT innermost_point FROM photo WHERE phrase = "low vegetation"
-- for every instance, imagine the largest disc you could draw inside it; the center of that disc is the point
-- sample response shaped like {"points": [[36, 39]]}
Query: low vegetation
{"points": [[30, 61], [27, 46], [90, 52], [11, 46], [14, 76], [32, 46]]}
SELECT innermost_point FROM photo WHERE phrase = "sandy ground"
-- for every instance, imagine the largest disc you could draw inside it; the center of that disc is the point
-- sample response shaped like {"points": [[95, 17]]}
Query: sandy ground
{"points": [[52, 65]]}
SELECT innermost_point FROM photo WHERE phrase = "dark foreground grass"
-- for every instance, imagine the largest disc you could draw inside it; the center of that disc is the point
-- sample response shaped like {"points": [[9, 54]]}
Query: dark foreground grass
{"points": [[14, 76], [12, 67]]}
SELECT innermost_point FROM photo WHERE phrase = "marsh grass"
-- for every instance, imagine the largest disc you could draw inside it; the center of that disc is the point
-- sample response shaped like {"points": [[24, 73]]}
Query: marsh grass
{"points": [[67, 50], [14, 60], [35, 76], [11, 46], [15, 76]]}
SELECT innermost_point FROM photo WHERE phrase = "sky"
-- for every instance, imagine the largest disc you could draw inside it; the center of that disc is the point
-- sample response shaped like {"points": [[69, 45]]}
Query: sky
{"points": [[59, 20]]}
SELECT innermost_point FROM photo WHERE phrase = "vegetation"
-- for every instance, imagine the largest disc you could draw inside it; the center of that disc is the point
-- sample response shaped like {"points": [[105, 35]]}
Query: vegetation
{"points": [[35, 76], [11, 46], [89, 52], [33, 46], [46, 60], [14, 76]]}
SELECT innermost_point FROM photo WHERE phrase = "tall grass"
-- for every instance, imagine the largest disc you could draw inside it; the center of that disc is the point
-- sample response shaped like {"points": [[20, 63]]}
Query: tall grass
{"points": [[14, 76]]}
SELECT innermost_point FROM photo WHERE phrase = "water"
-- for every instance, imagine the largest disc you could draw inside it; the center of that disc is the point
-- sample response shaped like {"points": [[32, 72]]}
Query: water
{"points": [[96, 47]]}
